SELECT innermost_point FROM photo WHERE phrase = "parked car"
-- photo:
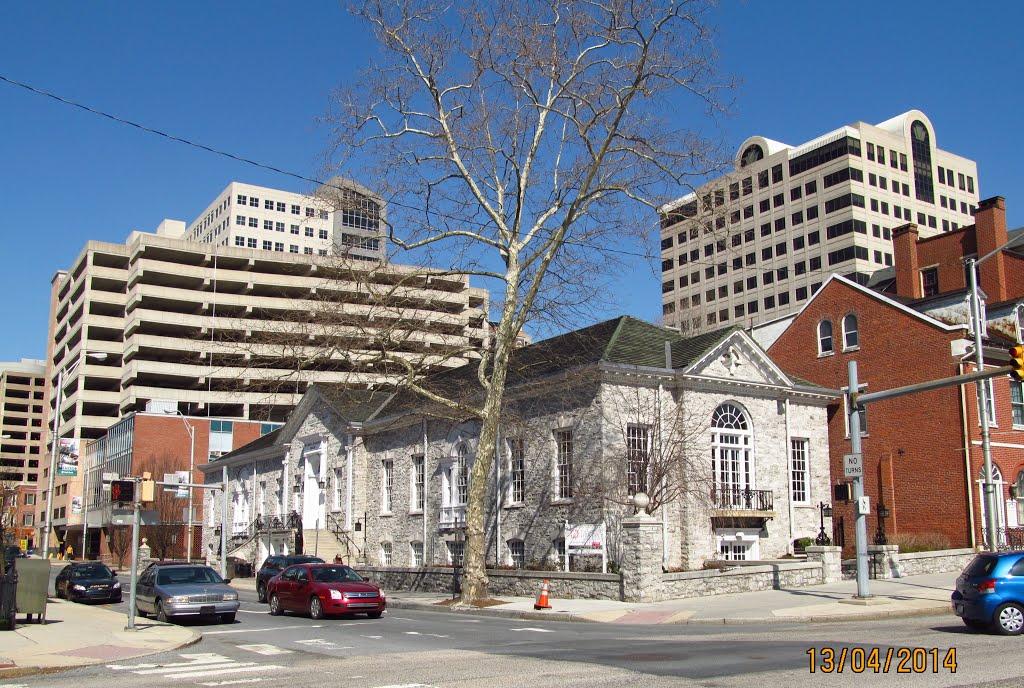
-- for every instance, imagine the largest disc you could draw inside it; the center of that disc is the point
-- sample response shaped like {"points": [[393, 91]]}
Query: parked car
{"points": [[178, 590], [275, 565], [88, 581], [322, 589], [990, 593]]}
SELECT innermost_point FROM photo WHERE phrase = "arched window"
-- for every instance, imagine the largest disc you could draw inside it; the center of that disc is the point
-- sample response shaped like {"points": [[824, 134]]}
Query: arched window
{"points": [[850, 338], [731, 455], [921, 150], [825, 337]]}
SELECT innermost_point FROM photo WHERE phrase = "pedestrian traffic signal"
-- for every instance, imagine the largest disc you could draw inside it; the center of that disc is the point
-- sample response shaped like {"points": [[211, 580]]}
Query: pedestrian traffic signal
{"points": [[122, 491], [1017, 362]]}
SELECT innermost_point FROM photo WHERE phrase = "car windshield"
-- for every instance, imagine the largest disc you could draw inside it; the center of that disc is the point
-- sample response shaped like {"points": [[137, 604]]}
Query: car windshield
{"points": [[335, 574], [981, 566], [196, 575], [305, 560], [97, 571]]}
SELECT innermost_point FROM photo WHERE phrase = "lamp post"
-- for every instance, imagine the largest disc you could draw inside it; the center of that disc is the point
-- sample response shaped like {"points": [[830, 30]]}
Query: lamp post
{"points": [[191, 470], [825, 510], [883, 513], [55, 441]]}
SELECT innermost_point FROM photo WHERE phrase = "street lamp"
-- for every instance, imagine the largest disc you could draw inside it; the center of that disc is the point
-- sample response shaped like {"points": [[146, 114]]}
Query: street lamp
{"points": [[825, 510], [191, 469], [883, 513], [55, 441]]}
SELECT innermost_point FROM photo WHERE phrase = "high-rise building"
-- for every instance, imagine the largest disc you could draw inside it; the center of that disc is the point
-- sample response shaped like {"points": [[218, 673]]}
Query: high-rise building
{"points": [[164, 324], [340, 218], [754, 244], [22, 430]]}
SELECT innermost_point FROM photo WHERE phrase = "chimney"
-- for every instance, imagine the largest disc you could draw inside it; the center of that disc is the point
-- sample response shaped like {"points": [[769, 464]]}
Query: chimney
{"points": [[904, 248], [990, 234]]}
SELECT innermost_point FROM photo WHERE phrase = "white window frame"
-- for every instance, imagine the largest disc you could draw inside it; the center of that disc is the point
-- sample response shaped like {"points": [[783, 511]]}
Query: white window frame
{"points": [[339, 485], [799, 469], [638, 457], [417, 484], [416, 553], [517, 553], [387, 486], [848, 331], [732, 453], [1017, 403], [746, 540], [822, 338], [564, 447], [387, 554], [516, 471], [456, 553]]}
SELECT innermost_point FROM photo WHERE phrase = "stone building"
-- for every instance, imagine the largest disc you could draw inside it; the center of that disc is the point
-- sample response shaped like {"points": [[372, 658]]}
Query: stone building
{"points": [[733, 453]]}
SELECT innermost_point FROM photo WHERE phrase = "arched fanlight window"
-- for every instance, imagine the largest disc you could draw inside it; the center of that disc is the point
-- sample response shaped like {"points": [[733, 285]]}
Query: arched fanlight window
{"points": [[825, 345]]}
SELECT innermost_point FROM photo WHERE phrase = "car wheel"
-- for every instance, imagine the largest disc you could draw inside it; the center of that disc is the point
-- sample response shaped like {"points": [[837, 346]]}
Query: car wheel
{"points": [[975, 625], [316, 608], [275, 605], [117, 599], [1010, 618], [374, 615], [228, 618], [261, 593], [161, 615]]}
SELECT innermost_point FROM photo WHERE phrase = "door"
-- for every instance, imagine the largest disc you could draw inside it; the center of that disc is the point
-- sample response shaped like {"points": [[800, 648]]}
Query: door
{"points": [[144, 591], [312, 497], [300, 593], [285, 588]]}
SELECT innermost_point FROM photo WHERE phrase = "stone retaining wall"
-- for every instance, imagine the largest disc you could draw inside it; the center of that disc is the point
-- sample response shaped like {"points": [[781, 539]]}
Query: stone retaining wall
{"points": [[939, 561], [742, 579], [513, 583]]}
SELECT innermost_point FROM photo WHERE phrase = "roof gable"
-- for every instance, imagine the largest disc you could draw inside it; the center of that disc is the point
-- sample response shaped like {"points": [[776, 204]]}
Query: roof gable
{"points": [[737, 357]]}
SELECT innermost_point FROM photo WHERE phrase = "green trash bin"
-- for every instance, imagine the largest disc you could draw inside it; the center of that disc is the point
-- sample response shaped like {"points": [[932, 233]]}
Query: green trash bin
{"points": [[33, 586]]}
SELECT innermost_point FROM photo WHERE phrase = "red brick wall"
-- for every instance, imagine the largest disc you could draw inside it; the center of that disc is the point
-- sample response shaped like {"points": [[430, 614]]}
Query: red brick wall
{"points": [[927, 491]]}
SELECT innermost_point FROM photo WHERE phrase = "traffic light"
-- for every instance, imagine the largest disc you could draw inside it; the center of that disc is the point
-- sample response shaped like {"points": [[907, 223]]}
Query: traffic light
{"points": [[1017, 362], [148, 491], [122, 491]]}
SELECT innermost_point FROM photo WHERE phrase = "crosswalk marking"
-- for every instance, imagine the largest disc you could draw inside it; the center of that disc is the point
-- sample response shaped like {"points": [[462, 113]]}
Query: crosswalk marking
{"points": [[233, 681], [322, 644], [264, 649], [198, 665], [535, 630], [260, 630], [433, 635]]}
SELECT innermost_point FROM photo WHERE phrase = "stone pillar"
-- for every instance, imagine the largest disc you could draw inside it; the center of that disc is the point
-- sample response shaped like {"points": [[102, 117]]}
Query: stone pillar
{"points": [[641, 560], [831, 560], [886, 561], [144, 555]]}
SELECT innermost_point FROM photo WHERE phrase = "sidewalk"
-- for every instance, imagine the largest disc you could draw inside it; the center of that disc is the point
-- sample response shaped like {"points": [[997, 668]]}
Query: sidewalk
{"points": [[910, 596], [79, 634]]}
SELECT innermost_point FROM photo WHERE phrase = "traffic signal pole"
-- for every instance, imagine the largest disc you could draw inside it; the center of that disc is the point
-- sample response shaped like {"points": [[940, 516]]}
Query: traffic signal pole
{"points": [[861, 522], [135, 554]]}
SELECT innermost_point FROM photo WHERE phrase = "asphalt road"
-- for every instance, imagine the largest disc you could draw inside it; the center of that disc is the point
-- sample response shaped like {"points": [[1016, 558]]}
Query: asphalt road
{"points": [[415, 648]]}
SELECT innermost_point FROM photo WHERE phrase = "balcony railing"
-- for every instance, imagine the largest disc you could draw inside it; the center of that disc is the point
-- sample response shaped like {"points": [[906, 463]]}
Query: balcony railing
{"points": [[453, 516], [741, 499]]}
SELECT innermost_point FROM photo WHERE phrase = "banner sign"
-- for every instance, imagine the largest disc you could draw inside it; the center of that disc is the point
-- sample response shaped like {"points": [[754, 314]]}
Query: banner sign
{"points": [[67, 460], [586, 539], [76, 505]]}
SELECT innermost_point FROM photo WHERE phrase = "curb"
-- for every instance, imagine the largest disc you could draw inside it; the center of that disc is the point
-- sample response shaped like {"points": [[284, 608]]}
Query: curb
{"points": [[938, 610]]}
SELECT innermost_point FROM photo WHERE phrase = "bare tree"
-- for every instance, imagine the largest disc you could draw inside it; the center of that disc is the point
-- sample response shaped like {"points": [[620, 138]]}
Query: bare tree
{"points": [[165, 538], [8, 517], [525, 147], [120, 543]]}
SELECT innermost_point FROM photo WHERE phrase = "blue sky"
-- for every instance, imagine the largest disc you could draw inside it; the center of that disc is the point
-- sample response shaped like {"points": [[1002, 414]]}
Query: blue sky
{"points": [[252, 78]]}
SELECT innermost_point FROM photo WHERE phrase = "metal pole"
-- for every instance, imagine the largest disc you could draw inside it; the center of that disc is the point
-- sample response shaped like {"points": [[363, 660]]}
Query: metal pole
{"points": [[860, 523], [135, 555], [992, 540], [191, 470], [54, 443], [85, 513], [224, 522]]}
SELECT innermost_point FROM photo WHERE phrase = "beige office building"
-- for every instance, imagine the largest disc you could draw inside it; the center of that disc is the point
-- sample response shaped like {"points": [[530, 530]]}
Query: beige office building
{"points": [[754, 244], [165, 324], [22, 420]]}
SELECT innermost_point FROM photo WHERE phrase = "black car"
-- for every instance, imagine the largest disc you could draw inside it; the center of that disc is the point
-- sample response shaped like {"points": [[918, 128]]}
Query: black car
{"points": [[275, 565], [88, 581]]}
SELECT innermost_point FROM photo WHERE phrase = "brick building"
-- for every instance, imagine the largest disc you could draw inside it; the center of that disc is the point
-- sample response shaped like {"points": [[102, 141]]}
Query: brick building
{"points": [[922, 453], [158, 443]]}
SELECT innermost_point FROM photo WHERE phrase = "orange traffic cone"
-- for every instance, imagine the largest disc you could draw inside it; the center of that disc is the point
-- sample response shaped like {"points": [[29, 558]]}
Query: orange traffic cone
{"points": [[542, 598]]}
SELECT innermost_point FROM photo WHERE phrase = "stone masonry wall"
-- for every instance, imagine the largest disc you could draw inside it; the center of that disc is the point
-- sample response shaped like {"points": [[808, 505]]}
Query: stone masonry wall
{"points": [[594, 586], [916, 563]]}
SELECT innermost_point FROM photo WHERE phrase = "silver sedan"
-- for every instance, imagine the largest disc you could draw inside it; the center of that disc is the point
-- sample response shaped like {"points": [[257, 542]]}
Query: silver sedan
{"points": [[185, 590]]}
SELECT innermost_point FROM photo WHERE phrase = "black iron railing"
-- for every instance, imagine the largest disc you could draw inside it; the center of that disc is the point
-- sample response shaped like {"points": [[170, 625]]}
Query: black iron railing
{"points": [[1007, 538], [741, 499]]}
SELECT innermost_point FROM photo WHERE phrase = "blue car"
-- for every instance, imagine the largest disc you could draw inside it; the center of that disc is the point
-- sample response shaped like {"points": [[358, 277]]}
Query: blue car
{"points": [[990, 593]]}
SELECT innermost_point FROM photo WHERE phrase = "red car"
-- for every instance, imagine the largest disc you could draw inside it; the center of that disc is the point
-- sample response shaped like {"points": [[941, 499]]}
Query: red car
{"points": [[322, 589]]}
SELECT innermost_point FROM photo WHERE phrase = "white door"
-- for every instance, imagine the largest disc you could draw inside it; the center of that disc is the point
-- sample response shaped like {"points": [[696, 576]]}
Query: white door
{"points": [[312, 495]]}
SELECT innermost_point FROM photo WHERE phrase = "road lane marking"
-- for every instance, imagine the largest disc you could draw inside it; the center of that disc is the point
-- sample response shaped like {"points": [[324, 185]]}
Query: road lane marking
{"points": [[321, 643], [220, 672], [433, 635], [261, 630], [197, 665], [535, 630], [264, 649], [176, 668], [234, 681], [375, 637]]}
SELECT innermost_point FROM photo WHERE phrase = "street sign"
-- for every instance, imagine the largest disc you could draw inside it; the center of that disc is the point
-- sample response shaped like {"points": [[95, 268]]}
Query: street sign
{"points": [[864, 506], [180, 477], [123, 517], [853, 465]]}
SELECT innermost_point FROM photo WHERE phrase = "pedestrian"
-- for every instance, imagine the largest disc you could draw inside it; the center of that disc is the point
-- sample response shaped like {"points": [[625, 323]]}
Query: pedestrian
{"points": [[338, 559], [70, 553]]}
